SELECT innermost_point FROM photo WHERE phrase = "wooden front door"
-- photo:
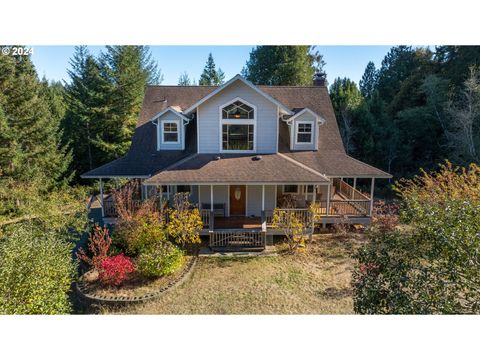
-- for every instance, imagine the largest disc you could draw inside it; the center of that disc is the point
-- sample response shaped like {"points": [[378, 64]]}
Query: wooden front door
{"points": [[237, 200]]}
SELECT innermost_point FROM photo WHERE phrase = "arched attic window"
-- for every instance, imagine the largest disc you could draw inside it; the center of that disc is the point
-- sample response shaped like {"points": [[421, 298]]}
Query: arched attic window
{"points": [[238, 110], [237, 127]]}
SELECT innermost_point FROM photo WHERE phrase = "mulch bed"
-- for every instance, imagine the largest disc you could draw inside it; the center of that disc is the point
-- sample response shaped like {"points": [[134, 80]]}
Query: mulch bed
{"points": [[136, 288]]}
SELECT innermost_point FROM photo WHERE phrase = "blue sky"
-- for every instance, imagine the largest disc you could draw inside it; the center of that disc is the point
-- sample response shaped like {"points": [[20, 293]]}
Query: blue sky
{"points": [[342, 61]]}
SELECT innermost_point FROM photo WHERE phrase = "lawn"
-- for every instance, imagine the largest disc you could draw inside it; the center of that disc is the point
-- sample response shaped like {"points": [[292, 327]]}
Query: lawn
{"points": [[316, 282]]}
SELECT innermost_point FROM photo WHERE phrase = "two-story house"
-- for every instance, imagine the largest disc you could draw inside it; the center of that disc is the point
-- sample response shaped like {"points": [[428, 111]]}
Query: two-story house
{"points": [[238, 149]]}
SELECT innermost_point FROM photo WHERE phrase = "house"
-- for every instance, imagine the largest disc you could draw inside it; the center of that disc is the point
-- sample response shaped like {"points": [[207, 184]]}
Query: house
{"points": [[239, 149]]}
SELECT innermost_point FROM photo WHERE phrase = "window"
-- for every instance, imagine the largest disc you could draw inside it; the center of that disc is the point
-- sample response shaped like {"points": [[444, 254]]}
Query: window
{"points": [[308, 189], [237, 137], [170, 132], [290, 189], [304, 133], [237, 126], [183, 188], [238, 110]]}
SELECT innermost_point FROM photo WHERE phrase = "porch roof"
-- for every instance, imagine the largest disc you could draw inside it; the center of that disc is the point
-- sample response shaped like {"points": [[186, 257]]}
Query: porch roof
{"points": [[236, 168]]}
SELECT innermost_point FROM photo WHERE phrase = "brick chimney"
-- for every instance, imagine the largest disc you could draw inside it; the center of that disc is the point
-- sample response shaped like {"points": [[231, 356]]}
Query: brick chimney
{"points": [[320, 79]]}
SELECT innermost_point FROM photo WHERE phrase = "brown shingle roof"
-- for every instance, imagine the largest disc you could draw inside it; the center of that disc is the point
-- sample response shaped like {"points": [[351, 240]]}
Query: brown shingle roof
{"points": [[144, 159], [207, 169]]}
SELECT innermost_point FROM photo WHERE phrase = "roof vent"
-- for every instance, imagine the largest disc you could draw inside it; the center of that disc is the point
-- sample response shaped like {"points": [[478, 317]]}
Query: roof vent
{"points": [[217, 157], [256, 158]]}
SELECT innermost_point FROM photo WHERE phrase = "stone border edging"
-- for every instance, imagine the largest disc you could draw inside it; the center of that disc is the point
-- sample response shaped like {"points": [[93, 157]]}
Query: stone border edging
{"points": [[125, 300]]}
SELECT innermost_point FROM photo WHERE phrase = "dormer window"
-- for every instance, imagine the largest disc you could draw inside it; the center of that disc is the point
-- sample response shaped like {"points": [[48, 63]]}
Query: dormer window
{"points": [[170, 132], [304, 132], [237, 126]]}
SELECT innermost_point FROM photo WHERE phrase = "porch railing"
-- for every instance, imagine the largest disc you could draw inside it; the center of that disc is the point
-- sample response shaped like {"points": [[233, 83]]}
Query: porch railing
{"points": [[304, 215], [343, 207], [237, 238], [348, 191]]}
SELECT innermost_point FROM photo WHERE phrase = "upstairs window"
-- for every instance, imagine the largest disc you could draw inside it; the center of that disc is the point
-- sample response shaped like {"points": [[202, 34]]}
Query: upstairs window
{"points": [[170, 132], [237, 137], [238, 110], [304, 133]]}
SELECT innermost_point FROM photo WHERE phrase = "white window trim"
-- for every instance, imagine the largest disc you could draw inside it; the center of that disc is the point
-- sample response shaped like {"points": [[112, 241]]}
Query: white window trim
{"points": [[312, 132], [305, 189], [287, 192], [237, 122], [162, 125]]}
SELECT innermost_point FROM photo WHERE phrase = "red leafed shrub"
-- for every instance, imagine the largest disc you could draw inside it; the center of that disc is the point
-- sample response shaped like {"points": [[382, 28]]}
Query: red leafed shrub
{"points": [[114, 269], [98, 243]]}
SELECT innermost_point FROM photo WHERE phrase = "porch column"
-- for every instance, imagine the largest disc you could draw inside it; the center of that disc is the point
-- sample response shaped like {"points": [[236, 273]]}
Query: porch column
{"points": [[168, 193], [211, 197], [328, 197], [314, 196], [263, 197], [354, 183], [371, 196], [116, 183], [101, 198]]}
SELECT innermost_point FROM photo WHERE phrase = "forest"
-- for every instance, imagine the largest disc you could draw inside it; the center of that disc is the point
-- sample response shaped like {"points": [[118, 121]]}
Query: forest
{"points": [[420, 107]]}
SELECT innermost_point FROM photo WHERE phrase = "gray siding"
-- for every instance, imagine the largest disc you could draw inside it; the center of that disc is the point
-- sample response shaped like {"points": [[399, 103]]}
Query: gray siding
{"points": [[169, 116], [304, 117], [209, 119], [254, 199]]}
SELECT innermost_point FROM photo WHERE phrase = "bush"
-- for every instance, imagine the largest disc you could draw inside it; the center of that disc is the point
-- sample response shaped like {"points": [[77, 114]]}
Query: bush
{"points": [[161, 259], [433, 266], [184, 221], [139, 225], [99, 244], [114, 269], [36, 272]]}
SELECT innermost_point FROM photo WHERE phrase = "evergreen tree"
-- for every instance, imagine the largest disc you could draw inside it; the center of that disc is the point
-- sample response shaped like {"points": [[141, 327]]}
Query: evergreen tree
{"points": [[128, 69], [184, 80], [283, 65], [210, 74], [30, 130], [88, 99], [346, 100], [455, 61], [368, 83]]}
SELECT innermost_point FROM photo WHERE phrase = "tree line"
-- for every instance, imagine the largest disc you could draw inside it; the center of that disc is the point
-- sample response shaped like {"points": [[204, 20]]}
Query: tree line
{"points": [[419, 108]]}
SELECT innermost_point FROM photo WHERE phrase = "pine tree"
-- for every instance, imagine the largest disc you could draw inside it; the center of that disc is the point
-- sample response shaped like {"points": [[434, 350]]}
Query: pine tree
{"points": [[283, 65], [30, 136], [128, 69], [87, 96], [210, 74], [184, 80], [368, 83]]}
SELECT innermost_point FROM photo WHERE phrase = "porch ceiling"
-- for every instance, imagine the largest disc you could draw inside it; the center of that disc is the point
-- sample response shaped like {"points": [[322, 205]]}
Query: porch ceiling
{"points": [[237, 169]]}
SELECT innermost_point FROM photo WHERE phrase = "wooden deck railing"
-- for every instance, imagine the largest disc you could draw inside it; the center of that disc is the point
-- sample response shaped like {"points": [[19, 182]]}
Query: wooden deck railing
{"points": [[343, 207], [304, 215], [348, 191], [237, 238], [205, 214]]}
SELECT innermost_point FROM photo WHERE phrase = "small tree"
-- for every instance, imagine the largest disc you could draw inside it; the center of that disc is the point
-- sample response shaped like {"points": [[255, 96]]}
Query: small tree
{"points": [[99, 243], [184, 221], [292, 225]]}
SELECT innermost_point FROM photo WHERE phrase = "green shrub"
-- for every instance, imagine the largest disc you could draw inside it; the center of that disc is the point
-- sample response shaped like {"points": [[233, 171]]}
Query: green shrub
{"points": [[134, 238], [161, 259], [432, 266], [36, 272]]}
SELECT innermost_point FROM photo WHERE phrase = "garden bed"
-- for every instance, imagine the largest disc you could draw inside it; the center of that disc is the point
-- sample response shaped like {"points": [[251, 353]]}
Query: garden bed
{"points": [[135, 288]]}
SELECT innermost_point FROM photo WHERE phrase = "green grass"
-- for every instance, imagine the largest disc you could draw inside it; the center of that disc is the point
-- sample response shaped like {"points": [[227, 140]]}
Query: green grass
{"points": [[317, 282]]}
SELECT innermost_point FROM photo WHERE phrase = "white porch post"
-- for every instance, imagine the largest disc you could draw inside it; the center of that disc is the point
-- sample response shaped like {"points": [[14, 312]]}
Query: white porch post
{"points": [[314, 196], [328, 197], [354, 183], [371, 196], [211, 197], [101, 198], [116, 183], [168, 193], [263, 197]]}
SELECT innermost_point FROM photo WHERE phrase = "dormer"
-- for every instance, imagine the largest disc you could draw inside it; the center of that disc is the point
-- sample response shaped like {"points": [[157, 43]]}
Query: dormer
{"points": [[304, 129], [170, 129]]}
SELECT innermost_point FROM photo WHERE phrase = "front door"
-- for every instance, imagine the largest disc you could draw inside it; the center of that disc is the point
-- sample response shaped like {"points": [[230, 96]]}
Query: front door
{"points": [[237, 200]]}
